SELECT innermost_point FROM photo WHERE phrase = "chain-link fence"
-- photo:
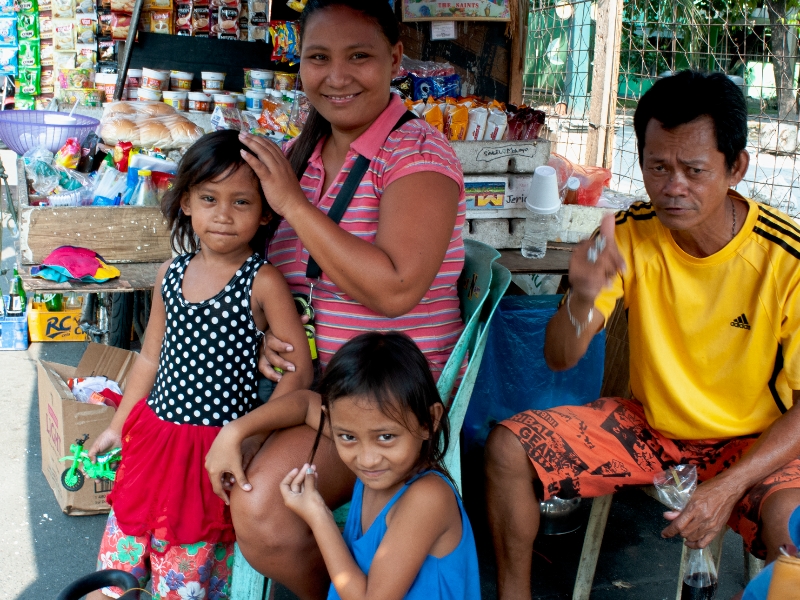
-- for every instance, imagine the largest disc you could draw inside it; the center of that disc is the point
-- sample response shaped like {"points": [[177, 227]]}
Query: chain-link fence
{"points": [[754, 44]]}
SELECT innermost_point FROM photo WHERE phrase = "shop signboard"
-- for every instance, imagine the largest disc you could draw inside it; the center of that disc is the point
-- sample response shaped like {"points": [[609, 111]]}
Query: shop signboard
{"points": [[456, 10]]}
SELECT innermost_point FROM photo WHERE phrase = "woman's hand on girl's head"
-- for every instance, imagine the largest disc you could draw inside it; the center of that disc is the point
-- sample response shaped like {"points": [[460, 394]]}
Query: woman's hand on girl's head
{"points": [[299, 491], [273, 170]]}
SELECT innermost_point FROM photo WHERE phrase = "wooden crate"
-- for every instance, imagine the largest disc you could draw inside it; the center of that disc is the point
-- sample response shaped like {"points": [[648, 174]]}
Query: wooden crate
{"points": [[120, 234]]}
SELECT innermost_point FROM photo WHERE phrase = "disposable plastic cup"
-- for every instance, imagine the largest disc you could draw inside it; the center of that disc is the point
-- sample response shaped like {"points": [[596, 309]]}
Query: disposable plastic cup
{"points": [[543, 197]]}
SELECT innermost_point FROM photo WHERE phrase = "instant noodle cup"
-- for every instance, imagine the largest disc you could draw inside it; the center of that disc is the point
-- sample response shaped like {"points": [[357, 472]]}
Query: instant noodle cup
{"points": [[225, 100], [149, 95], [180, 80], [241, 100], [199, 102], [154, 80], [254, 98], [261, 80], [133, 93], [285, 81], [213, 82], [134, 78], [177, 99]]}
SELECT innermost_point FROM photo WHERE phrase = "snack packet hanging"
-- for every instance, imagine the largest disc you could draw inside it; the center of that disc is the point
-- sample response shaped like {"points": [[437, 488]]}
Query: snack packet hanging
{"points": [[29, 55], [8, 61], [27, 27], [29, 81], [63, 35], [8, 31], [45, 27], [63, 9]]}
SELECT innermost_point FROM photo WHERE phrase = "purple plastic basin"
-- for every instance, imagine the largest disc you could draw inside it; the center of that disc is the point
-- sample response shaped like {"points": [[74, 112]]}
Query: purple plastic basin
{"points": [[22, 130]]}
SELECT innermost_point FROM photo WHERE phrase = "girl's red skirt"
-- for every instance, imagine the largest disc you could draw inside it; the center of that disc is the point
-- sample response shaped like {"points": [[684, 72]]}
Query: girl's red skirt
{"points": [[162, 488]]}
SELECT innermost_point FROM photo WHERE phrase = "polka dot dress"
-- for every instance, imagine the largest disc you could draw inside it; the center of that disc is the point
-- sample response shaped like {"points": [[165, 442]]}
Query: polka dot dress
{"points": [[208, 365]]}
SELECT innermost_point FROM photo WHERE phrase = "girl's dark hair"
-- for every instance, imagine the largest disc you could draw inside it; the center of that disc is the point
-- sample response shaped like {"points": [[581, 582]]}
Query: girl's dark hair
{"points": [[390, 370], [214, 155], [317, 127], [687, 95]]}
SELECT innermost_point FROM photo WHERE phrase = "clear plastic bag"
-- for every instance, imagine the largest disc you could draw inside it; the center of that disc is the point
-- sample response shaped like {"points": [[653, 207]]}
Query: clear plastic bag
{"points": [[40, 171], [675, 487]]}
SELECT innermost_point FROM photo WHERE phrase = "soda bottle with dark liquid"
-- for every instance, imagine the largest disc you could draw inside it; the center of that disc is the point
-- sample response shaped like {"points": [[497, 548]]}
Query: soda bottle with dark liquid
{"points": [[700, 578]]}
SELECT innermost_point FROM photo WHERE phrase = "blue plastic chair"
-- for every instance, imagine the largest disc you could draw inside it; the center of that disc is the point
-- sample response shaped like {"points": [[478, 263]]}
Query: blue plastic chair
{"points": [[481, 279]]}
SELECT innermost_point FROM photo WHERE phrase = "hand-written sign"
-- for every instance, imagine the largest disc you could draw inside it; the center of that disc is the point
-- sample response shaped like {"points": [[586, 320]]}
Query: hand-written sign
{"points": [[490, 153]]}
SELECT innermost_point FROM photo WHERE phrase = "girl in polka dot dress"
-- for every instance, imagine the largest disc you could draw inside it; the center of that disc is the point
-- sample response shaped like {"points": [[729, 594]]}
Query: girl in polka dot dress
{"points": [[196, 372]]}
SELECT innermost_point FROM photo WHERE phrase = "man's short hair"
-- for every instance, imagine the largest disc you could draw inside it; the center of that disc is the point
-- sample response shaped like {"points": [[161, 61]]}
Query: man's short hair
{"points": [[687, 95]]}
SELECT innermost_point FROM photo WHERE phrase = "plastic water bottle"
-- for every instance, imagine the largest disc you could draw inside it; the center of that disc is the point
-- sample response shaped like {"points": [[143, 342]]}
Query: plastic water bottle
{"points": [[543, 204], [538, 229], [144, 194]]}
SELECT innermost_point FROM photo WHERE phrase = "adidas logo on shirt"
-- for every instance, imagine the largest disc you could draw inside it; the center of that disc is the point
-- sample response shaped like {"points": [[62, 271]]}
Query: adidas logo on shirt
{"points": [[740, 322]]}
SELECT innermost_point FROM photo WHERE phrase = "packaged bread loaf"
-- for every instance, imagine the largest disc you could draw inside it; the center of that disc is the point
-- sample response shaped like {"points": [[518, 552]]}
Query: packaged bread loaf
{"points": [[147, 125]]}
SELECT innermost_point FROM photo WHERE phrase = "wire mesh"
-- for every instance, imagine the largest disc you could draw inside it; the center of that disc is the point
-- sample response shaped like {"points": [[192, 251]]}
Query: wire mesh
{"points": [[755, 45]]}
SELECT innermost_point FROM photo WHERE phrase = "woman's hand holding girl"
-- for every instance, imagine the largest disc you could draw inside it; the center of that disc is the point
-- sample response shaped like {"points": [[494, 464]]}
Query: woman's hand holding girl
{"points": [[299, 491], [278, 180]]}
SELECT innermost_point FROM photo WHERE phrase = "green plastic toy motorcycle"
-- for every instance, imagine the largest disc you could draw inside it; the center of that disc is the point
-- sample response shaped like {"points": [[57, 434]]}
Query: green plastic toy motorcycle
{"points": [[104, 467]]}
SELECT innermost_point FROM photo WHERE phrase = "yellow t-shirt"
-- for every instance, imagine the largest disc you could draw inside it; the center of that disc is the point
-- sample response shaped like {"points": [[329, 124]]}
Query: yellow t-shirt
{"points": [[713, 341]]}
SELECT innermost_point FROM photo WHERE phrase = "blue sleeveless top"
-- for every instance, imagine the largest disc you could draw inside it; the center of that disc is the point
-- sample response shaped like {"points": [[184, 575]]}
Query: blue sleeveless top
{"points": [[452, 577]]}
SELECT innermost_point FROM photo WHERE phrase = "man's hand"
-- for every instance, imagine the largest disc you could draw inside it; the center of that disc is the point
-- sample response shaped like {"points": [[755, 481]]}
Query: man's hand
{"points": [[705, 515], [595, 262]]}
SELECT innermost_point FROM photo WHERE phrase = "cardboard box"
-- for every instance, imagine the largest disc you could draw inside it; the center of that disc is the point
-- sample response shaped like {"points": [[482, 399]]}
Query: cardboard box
{"points": [[57, 326], [62, 420], [485, 192]]}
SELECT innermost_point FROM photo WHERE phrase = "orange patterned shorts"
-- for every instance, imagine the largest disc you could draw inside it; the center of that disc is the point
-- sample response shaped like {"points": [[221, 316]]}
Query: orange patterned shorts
{"points": [[596, 449]]}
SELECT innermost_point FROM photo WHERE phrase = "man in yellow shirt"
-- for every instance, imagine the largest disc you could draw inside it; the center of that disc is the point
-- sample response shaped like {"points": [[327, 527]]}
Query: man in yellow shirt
{"points": [[711, 286]]}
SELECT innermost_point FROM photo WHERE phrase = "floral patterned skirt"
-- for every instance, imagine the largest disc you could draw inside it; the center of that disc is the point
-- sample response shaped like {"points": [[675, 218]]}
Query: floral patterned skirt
{"points": [[200, 571]]}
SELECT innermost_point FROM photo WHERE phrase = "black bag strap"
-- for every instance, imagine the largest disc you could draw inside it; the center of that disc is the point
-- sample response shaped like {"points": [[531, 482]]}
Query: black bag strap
{"points": [[348, 190]]}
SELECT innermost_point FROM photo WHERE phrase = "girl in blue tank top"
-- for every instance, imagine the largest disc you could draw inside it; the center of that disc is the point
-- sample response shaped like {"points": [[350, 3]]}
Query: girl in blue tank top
{"points": [[407, 534]]}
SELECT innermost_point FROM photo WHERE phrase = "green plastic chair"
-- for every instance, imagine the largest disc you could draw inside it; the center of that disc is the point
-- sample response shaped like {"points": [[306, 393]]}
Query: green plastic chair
{"points": [[501, 278], [480, 279]]}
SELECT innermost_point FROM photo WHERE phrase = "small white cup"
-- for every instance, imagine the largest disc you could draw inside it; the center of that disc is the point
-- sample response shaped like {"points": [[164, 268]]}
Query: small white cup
{"points": [[543, 196]]}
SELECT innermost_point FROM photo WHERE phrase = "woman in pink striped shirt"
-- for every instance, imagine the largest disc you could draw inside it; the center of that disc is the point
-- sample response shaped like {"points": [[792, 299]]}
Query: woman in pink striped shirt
{"points": [[392, 263]]}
